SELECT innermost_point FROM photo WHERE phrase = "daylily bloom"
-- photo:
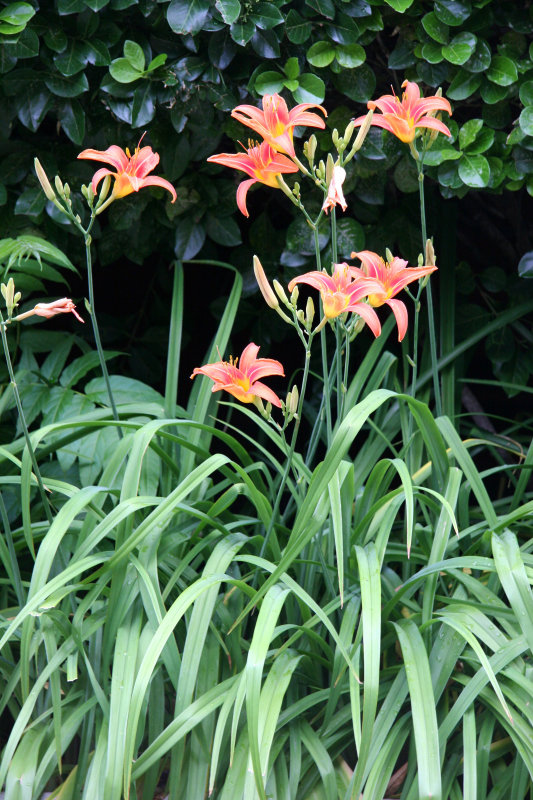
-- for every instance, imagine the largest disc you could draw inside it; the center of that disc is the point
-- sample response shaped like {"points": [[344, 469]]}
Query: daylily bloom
{"points": [[403, 117], [131, 170], [275, 123], [335, 194], [48, 310], [261, 162], [392, 278], [340, 293], [242, 379]]}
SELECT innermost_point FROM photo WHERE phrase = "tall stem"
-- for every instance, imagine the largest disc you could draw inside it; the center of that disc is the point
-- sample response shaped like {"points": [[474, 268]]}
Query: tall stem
{"points": [[323, 345], [338, 333], [36, 470], [431, 316], [290, 453], [96, 331]]}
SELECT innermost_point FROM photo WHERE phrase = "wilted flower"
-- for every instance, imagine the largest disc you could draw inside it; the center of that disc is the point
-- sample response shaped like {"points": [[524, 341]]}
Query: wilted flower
{"points": [[131, 170], [242, 379], [335, 194], [392, 278], [275, 123], [341, 293], [48, 310], [261, 162], [403, 117]]}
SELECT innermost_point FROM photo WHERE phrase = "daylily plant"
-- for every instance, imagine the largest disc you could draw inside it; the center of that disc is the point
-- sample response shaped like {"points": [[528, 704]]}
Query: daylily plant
{"points": [[391, 277], [340, 293], [275, 123], [261, 162], [242, 379], [403, 117], [131, 170]]}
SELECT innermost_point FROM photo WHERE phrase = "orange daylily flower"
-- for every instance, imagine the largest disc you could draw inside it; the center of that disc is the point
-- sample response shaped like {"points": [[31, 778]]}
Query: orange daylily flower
{"points": [[392, 278], [261, 162], [341, 293], [48, 310], [403, 117], [131, 170], [335, 194], [275, 123], [242, 379]]}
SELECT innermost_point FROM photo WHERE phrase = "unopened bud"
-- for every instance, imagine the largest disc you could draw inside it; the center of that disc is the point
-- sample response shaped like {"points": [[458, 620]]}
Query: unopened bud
{"points": [[388, 255], [361, 136], [43, 180], [296, 190], [309, 313], [358, 327], [105, 189], [66, 189], [430, 254], [310, 149], [87, 192], [291, 404], [420, 260], [292, 400], [348, 133], [262, 281], [321, 170], [301, 316], [9, 295], [329, 168], [294, 296], [335, 137], [280, 291], [59, 186]]}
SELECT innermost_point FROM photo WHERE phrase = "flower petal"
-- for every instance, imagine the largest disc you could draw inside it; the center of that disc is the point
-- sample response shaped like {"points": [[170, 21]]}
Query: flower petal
{"points": [[154, 180], [114, 155], [98, 175], [318, 280], [248, 357], [400, 312], [242, 191], [367, 313], [261, 390]]}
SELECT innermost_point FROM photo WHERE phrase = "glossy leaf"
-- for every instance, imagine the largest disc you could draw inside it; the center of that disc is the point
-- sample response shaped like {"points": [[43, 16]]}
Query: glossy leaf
{"points": [[320, 54], [474, 171], [297, 28], [229, 9], [187, 17], [502, 71]]}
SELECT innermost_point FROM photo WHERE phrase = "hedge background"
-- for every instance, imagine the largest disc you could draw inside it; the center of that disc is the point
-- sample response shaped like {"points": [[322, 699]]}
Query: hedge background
{"points": [[89, 73]]}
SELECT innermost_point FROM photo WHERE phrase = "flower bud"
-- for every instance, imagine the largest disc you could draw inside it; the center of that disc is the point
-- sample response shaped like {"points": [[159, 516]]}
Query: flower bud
{"points": [[301, 316], [59, 186], [43, 180], [430, 254], [330, 164], [361, 136], [310, 149], [262, 281], [294, 296], [280, 291], [321, 170], [291, 404], [309, 313], [388, 255], [9, 295], [348, 133], [335, 138]]}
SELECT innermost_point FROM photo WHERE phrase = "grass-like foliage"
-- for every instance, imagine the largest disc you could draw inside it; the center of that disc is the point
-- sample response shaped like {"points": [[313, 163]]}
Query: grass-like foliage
{"points": [[321, 598]]}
